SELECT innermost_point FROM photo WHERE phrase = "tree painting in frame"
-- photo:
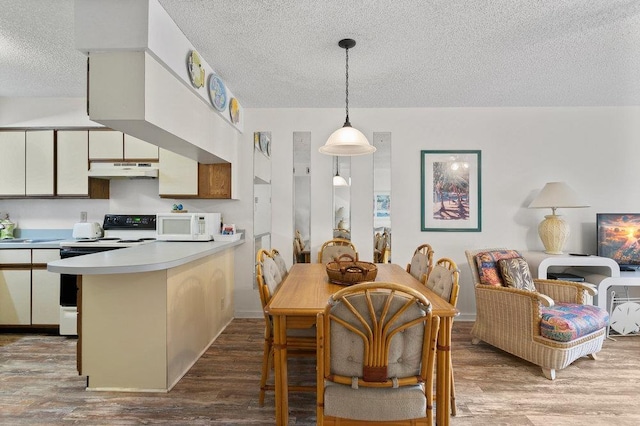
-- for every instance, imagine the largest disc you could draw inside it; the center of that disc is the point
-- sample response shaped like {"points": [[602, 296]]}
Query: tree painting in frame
{"points": [[382, 205], [450, 191]]}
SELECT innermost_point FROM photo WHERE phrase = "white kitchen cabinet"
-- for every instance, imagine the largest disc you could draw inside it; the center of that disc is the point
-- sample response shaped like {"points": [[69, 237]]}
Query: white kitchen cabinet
{"points": [[73, 165], [178, 175], [45, 288], [39, 163], [183, 177], [27, 163], [135, 148], [111, 145], [12, 171], [106, 145], [15, 287]]}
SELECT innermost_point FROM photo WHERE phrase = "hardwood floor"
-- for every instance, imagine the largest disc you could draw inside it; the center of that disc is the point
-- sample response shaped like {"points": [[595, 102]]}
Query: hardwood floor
{"points": [[39, 385]]}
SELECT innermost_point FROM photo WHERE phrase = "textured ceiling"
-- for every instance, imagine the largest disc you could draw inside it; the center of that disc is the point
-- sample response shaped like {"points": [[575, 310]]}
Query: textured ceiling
{"points": [[409, 53]]}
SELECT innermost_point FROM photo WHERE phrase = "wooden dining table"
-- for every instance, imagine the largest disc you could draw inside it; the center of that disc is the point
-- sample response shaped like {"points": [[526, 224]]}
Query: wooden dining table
{"points": [[305, 292]]}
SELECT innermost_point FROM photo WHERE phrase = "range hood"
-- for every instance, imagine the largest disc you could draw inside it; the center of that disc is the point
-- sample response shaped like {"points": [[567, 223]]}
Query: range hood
{"points": [[123, 170]]}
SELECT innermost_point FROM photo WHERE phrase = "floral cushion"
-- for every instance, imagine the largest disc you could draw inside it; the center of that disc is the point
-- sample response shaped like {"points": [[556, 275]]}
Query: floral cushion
{"points": [[487, 265], [565, 322], [515, 273]]}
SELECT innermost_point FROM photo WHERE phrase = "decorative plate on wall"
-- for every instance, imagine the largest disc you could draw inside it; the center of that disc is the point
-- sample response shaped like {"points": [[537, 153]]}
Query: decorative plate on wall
{"points": [[196, 70], [217, 92], [234, 110], [265, 143]]}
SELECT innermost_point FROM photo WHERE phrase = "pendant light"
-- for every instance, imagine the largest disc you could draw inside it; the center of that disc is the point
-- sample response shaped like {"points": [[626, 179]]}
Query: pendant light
{"points": [[347, 140], [337, 179]]}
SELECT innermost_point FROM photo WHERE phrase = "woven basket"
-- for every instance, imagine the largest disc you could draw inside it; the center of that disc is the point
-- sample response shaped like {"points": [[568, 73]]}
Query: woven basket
{"points": [[347, 271]]}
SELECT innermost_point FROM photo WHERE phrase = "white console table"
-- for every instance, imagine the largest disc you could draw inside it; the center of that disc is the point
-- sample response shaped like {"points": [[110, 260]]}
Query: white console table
{"points": [[600, 271]]}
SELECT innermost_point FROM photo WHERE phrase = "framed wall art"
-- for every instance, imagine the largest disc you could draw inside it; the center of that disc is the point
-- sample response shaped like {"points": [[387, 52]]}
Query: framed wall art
{"points": [[450, 191]]}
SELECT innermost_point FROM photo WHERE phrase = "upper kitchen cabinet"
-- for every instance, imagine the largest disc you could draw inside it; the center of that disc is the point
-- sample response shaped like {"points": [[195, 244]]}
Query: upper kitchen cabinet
{"points": [[12, 172], [27, 168], [182, 177], [178, 175], [135, 148], [111, 145], [73, 167], [39, 163], [106, 145]]}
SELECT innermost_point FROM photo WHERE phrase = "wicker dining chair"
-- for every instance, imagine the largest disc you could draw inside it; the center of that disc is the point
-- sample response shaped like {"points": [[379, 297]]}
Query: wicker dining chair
{"points": [[545, 322], [443, 279], [376, 355], [300, 342], [381, 247], [332, 250], [421, 262], [280, 263]]}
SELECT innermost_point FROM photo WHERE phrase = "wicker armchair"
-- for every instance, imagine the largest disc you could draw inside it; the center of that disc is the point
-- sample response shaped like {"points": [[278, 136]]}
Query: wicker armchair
{"points": [[516, 320], [376, 354]]}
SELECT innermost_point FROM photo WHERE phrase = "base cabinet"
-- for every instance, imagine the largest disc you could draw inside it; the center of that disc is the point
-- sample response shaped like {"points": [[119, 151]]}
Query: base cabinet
{"points": [[45, 288], [141, 332], [15, 296], [29, 294]]}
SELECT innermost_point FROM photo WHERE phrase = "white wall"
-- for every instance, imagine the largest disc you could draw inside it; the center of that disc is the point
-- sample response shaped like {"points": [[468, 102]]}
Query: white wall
{"points": [[593, 149], [44, 112]]}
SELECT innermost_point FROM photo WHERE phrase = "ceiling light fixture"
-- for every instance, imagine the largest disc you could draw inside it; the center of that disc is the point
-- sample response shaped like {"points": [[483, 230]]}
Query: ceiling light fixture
{"points": [[337, 179], [347, 140]]}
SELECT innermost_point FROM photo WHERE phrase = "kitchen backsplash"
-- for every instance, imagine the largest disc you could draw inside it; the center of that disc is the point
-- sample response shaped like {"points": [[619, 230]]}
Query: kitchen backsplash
{"points": [[126, 196]]}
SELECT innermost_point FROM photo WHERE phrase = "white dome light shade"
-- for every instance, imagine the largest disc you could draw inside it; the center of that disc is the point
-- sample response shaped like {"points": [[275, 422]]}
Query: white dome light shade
{"points": [[347, 141], [339, 181]]}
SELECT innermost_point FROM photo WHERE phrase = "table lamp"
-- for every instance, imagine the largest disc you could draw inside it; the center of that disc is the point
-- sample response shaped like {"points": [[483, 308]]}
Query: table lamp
{"points": [[553, 230]]}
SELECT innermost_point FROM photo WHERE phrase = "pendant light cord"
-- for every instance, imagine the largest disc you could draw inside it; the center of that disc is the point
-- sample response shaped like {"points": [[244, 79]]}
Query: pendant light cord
{"points": [[346, 122]]}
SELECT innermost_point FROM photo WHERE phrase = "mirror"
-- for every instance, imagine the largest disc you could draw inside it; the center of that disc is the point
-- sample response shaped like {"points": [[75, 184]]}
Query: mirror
{"points": [[382, 197], [301, 196], [261, 193], [342, 198]]}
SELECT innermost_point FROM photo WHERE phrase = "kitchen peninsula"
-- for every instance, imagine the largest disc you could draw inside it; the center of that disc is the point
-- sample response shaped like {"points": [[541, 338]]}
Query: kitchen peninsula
{"points": [[147, 313]]}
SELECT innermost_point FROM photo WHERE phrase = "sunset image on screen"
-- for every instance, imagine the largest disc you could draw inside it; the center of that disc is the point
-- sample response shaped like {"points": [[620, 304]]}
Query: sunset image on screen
{"points": [[619, 238]]}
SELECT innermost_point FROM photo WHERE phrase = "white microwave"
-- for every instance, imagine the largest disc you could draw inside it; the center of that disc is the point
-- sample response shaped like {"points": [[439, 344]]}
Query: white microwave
{"points": [[187, 226]]}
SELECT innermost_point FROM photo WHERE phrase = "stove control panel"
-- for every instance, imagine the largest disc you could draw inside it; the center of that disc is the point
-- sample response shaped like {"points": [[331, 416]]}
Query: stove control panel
{"points": [[129, 221]]}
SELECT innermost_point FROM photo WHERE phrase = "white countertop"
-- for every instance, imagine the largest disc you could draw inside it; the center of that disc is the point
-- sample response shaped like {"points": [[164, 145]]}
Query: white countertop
{"points": [[21, 243], [154, 256]]}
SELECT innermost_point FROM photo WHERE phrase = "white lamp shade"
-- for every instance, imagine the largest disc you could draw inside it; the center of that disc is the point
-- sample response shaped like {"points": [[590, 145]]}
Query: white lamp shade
{"points": [[555, 195], [347, 141], [339, 181]]}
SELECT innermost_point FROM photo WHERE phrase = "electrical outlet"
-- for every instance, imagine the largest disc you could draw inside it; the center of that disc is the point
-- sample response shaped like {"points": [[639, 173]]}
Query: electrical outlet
{"points": [[222, 303]]}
